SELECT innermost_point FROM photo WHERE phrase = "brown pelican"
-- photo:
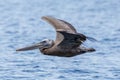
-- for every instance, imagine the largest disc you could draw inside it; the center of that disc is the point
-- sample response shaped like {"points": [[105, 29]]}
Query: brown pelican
{"points": [[68, 41]]}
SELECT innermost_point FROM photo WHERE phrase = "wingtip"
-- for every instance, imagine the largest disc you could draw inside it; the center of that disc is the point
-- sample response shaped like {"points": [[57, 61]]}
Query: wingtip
{"points": [[91, 50], [18, 50], [46, 17], [43, 17]]}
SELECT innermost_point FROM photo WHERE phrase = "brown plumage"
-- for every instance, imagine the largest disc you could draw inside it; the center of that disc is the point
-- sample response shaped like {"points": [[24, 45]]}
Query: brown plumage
{"points": [[68, 41]]}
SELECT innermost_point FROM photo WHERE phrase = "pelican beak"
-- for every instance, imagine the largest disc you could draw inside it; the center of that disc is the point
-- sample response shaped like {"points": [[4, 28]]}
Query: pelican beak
{"points": [[32, 47]]}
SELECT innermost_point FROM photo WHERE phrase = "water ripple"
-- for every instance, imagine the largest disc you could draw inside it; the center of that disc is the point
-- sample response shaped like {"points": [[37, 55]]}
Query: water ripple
{"points": [[21, 25]]}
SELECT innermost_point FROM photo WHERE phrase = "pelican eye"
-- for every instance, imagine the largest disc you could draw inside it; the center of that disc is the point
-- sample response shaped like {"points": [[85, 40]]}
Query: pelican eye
{"points": [[44, 41]]}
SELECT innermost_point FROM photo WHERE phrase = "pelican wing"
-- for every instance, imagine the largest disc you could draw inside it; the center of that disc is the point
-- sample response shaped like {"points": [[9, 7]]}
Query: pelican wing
{"points": [[71, 40], [59, 25]]}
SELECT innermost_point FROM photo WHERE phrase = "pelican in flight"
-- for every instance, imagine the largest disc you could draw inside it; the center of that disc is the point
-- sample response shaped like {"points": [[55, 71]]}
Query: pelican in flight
{"points": [[68, 40]]}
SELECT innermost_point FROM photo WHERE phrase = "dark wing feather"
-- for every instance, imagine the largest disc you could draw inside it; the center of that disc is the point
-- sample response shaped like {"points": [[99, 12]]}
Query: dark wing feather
{"points": [[71, 40]]}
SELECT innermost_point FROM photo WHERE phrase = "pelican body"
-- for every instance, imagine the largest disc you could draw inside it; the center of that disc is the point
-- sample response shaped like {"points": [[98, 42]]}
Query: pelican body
{"points": [[68, 40]]}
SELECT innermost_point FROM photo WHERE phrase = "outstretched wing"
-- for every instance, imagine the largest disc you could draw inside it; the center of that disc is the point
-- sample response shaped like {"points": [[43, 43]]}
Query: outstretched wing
{"points": [[60, 25], [71, 40]]}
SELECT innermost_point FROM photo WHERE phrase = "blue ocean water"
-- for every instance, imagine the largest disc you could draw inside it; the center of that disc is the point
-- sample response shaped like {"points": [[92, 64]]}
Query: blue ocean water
{"points": [[21, 25]]}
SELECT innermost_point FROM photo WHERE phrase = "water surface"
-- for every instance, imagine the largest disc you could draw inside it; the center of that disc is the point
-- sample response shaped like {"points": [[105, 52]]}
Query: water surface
{"points": [[21, 25]]}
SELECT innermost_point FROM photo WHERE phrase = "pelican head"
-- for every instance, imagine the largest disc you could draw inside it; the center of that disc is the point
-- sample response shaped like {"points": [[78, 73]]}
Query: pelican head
{"points": [[44, 44]]}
